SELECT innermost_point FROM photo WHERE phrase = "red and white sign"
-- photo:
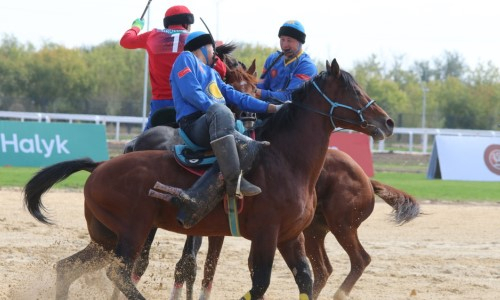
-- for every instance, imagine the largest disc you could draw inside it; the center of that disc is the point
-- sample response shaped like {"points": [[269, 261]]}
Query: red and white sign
{"points": [[465, 158], [357, 145]]}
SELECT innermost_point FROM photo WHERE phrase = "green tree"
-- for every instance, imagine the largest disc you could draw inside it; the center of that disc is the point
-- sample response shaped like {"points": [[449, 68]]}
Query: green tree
{"points": [[246, 53], [13, 73], [452, 64], [119, 77], [58, 80]]}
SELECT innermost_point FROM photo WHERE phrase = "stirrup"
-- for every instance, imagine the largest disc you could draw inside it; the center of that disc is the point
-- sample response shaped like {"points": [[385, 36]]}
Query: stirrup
{"points": [[248, 190]]}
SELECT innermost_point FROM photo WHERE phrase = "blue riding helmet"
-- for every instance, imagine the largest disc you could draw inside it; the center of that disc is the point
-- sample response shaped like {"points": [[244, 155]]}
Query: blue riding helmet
{"points": [[294, 29], [197, 40]]}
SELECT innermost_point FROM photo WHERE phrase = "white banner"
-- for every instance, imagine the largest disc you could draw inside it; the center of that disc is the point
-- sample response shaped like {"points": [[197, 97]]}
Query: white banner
{"points": [[465, 158]]}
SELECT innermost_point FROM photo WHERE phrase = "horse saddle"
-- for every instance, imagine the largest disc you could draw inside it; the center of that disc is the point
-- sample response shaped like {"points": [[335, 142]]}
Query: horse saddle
{"points": [[192, 156]]}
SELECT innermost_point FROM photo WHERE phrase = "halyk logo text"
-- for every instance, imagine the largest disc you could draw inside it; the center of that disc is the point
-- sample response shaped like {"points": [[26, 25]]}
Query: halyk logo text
{"points": [[33, 145]]}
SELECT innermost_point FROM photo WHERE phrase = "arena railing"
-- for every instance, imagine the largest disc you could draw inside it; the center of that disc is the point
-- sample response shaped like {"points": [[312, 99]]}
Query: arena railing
{"points": [[412, 140]]}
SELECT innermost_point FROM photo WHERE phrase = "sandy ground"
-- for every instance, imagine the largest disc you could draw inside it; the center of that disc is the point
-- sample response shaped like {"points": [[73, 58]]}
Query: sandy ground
{"points": [[450, 252]]}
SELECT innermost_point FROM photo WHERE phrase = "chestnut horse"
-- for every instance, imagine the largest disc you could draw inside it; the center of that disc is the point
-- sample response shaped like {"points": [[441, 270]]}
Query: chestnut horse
{"points": [[342, 185], [346, 198], [120, 213]]}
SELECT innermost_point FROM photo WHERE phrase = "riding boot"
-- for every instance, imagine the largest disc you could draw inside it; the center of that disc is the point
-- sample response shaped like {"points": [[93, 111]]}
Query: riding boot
{"points": [[248, 149], [226, 151], [198, 201]]}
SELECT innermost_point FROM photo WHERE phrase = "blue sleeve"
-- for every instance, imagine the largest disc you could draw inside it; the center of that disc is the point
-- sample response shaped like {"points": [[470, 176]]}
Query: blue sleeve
{"points": [[184, 76], [243, 101]]}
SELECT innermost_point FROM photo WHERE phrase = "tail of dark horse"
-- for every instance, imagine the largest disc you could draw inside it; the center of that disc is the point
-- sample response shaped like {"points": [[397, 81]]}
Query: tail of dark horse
{"points": [[46, 178], [405, 207]]}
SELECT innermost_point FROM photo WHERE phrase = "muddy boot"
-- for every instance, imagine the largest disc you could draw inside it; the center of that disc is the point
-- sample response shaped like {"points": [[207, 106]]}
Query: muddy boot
{"points": [[248, 149], [229, 162], [198, 201]]}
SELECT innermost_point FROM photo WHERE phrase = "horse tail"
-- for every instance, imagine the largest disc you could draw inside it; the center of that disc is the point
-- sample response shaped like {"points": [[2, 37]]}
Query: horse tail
{"points": [[405, 207], [46, 178]]}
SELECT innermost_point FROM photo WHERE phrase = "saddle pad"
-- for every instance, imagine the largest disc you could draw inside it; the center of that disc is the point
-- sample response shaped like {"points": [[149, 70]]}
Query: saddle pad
{"points": [[193, 159]]}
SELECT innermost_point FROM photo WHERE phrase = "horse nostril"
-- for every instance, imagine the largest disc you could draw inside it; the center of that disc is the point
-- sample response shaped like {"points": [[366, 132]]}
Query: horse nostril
{"points": [[390, 123]]}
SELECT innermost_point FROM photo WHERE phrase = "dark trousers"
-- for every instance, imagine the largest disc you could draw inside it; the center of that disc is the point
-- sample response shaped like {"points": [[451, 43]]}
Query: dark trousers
{"points": [[217, 122]]}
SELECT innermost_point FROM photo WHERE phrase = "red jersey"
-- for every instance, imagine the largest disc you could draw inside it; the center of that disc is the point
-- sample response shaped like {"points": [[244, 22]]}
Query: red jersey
{"points": [[163, 46]]}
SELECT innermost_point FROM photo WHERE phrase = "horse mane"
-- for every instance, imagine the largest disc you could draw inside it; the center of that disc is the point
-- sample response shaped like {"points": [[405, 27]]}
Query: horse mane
{"points": [[224, 53], [285, 118], [349, 80]]}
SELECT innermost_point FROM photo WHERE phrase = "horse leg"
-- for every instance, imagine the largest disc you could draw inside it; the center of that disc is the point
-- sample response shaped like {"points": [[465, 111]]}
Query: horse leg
{"points": [[214, 249], [262, 251], [314, 236], [90, 259], [347, 236], [185, 268], [127, 249], [294, 254], [95, 256], [141, 263]]}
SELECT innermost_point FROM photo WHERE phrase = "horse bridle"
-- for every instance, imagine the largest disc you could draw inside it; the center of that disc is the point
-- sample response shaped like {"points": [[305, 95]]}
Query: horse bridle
{"points": [[363, 123]]}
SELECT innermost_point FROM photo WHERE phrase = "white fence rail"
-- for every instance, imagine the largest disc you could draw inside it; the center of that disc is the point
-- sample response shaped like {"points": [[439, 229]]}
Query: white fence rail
{"points": [[70, 118], [415, 139]]}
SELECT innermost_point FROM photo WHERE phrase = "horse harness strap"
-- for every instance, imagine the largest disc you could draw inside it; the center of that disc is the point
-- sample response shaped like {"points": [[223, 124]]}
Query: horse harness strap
{"points": [[334, 105]]}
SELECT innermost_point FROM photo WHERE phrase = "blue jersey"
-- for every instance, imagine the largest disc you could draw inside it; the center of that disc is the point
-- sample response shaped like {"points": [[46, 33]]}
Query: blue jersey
{"points": [[196, 86], [284, 77]]}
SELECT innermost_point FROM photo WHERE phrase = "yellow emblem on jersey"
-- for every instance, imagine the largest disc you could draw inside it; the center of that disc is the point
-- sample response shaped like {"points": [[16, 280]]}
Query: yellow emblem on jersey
{"points": [[213, 90]]}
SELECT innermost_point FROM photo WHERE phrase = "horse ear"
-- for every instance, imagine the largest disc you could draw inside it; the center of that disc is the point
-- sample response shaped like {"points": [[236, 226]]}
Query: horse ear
{"points": [[327, 66], [251, 69], [335, 69]]}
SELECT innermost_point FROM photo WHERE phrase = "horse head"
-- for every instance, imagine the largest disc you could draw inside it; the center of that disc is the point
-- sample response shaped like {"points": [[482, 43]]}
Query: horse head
{"points": [[344, 102], [352, 108], [245, 81], [241, 80]]}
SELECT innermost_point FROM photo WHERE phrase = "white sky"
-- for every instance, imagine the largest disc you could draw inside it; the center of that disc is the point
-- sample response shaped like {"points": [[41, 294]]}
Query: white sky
{"points": [[349, 30]]}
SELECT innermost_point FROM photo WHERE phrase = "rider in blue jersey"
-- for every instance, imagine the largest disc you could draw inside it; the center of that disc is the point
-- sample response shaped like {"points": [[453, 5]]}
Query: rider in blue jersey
{"points": [[287, 70], [200, 100]]}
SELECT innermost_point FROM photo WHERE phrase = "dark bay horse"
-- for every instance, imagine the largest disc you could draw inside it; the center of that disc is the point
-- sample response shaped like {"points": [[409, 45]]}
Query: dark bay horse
{"points": [[346, 198], [342, 185], [120, 214]]}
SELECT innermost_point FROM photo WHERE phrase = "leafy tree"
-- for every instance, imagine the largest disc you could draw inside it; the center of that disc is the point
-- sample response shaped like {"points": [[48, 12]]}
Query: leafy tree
{"points": [[107, 79], [119, 77], [13, 75], [246, 53], [451, 64], [423, 70], [458, 111]]}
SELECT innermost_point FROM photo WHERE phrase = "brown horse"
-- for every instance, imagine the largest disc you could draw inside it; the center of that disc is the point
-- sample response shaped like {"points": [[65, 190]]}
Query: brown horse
{"points": [[346, 197], [342, 184], [120, 214]]}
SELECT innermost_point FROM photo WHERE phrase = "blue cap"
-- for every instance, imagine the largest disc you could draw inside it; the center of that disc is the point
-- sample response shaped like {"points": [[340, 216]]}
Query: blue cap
{"points": [[197, 40], [294, 29]]}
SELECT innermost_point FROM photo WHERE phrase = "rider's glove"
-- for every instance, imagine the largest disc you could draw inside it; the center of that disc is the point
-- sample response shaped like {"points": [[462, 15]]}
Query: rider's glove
{"points": [[139, 23]]}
